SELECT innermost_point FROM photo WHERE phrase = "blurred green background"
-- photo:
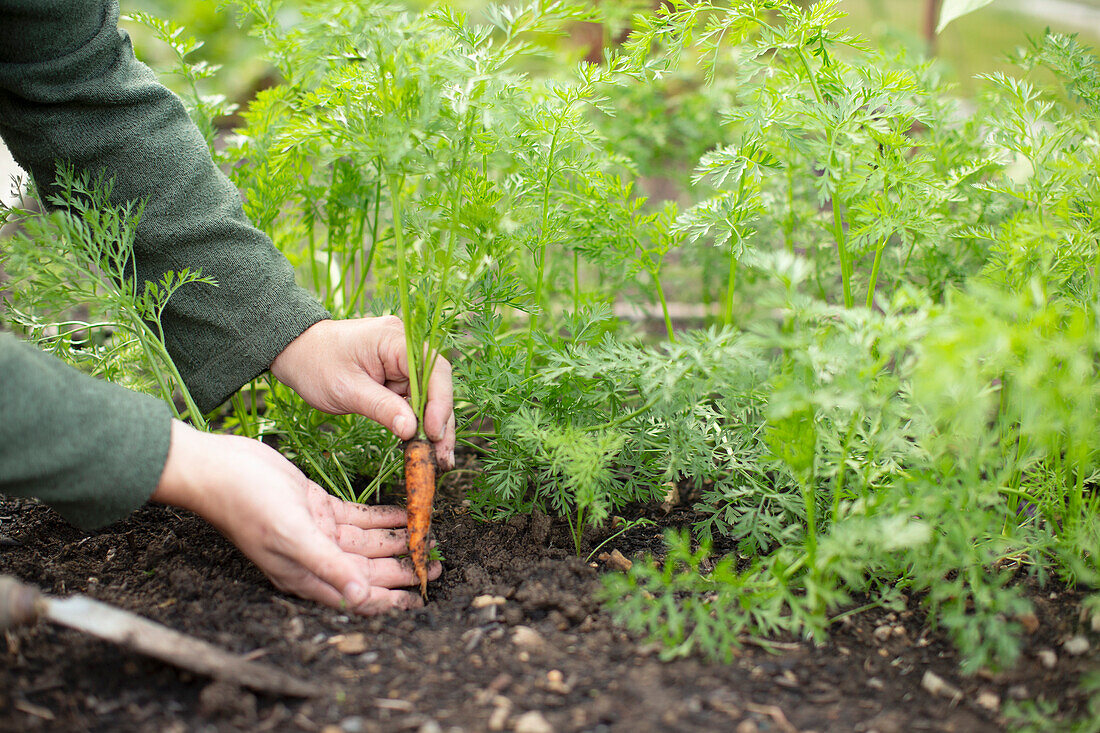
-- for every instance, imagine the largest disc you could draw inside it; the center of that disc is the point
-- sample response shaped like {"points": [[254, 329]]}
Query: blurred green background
{"points": [[977, 43]]}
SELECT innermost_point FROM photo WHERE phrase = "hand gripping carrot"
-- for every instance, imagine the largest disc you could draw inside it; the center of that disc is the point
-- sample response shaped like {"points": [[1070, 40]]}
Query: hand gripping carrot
{"points": [[420, 491]]}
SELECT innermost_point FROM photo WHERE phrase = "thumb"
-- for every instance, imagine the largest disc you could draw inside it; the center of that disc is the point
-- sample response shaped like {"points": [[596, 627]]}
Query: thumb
{"points": [[386, 408]]}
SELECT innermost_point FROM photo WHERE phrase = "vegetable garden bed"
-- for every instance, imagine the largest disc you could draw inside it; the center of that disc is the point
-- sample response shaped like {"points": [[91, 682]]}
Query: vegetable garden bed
{"points": [[548, 648], [887, 412]]}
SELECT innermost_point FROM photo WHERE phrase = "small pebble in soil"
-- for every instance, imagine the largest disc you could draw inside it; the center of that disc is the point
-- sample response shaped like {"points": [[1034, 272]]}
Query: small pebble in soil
{"points": [[1019, 692], [1030, 622], [349, 643], [353, 724], [1047, 658], [527, 638], [989, 700], [1076, 646], [882, 633], [295, 627], [500, 683], [430, 726], [471, 638], [616, 561], [938, 686], [555, 682], [486, 601], [1095, 622], [498, 719], [533, 722]]}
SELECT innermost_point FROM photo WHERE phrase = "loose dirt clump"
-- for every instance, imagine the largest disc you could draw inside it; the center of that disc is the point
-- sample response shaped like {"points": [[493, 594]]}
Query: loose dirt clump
{"points": [[513, 638]]}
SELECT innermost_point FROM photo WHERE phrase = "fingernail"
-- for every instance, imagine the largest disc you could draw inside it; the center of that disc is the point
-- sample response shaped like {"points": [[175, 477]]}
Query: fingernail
{"points": [[355, 594], [402, 425]]}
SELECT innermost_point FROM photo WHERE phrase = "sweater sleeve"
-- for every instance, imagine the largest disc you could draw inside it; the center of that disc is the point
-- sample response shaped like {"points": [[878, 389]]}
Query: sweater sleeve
{"points": [[71, 91], [92, 450]]}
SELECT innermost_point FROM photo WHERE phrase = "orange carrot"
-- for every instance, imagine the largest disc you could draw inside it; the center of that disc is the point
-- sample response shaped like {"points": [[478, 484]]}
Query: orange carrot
{"points": [[419, 490]]}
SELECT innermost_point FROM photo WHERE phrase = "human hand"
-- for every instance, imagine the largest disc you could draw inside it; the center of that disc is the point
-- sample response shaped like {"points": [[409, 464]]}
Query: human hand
{"points": [[307, 542], [359, 366]]}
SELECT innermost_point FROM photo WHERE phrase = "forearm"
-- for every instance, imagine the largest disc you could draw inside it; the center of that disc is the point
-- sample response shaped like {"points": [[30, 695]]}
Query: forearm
{"points": [[92, 450], [71, 91]]}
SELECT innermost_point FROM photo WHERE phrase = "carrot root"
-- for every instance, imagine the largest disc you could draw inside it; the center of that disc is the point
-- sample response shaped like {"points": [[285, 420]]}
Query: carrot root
{"points": [[420, 491]]}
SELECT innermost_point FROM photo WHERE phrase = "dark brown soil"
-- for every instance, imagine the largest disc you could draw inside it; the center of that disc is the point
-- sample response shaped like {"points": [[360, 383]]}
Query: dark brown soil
{"points": [[549, 648]]}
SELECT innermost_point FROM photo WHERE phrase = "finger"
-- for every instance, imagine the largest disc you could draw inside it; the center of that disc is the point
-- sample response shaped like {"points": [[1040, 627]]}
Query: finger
{"points": [[322, 557], [396, 573], [389, 347], [440, 402], [378, 600], [373, 543], [445, 449], [398, 386], [386, 408], [383, 599], [367, 516], [313, 588]]}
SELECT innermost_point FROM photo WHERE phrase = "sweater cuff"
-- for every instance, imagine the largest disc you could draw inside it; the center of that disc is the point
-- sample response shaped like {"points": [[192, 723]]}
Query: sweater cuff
{"points": [[92, 450], [275, 325]]}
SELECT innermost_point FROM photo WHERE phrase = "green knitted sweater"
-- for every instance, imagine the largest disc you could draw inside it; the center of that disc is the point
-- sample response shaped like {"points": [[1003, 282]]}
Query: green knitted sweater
{"points": [[71, 90]]}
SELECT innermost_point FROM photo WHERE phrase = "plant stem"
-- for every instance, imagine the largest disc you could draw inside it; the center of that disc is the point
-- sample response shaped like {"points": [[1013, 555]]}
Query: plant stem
{"points": [[330, 298], [155, 351], [343, 475], [842, 251], [311, 223], [842, 473], [241, 411], [369, 260], [809, 498], [434, 336], [788, 222], [838, 220], [149, 350], [289, 428], [576, 281], [577, 529], [376, 483], [349, 293], [874, 273], [1077, 498], [627, 526], [809, 73], [664, 304], [731, 282], [624, 418], [413, 355], [540, 259]]}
